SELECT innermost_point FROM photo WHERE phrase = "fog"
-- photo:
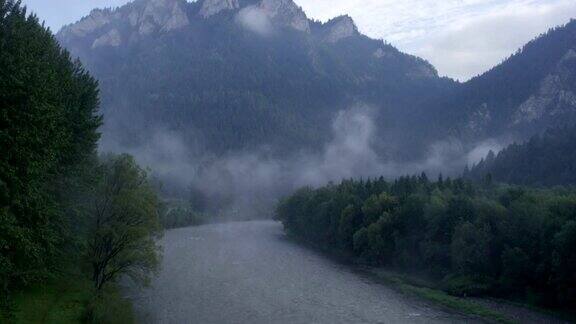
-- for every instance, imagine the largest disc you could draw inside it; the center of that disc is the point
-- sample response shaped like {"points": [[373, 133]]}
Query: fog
{"points": [[247, 185], [255, 20]]}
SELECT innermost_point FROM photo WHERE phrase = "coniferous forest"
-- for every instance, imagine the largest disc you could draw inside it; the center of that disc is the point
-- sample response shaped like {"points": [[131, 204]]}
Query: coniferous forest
{"points": [[548, 159]]}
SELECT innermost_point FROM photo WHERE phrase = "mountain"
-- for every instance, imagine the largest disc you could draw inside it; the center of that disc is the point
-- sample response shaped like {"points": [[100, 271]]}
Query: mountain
{"points": [[530, 91], [226, 76], [545, 160], [231, 75]]}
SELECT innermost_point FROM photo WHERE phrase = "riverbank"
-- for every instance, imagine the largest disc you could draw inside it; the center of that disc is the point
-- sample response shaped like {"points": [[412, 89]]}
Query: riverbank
{"points": [[491, 310]]}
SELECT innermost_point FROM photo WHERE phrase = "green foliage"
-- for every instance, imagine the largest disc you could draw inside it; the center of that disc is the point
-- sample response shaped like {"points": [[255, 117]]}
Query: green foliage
{"points": [[474, 240], [56, 301], [108, 307], [48, 129], [125, 223], [57, 202], [70, 299]]}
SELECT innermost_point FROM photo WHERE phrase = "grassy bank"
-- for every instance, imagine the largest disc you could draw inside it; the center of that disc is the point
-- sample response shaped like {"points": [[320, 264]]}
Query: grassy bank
{"points": [[436, 296], [70, 300], [506, 312]]}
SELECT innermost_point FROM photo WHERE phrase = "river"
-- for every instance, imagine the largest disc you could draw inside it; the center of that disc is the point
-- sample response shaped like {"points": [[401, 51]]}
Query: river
{"points": [[250, 273]]}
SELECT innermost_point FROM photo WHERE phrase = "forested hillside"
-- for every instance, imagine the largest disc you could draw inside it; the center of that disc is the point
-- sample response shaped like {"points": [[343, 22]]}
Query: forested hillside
{"points": [[533, 89], [545, 160], [471, 240], [67, 217], [203, 72]]}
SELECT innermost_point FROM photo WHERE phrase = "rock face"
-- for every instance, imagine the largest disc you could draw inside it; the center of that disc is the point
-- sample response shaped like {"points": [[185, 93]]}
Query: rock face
{"points": [[555, 98], [112, 38], [163, 15], [141, 17], [340, 28], [97, 19], [286, 12], [213, 7]]}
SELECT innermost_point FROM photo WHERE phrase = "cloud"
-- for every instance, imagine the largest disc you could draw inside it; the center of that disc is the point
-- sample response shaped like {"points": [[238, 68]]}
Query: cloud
{"points": [[248, 184], [468, 48], [255, 20], [461, 38], [481, 151]]}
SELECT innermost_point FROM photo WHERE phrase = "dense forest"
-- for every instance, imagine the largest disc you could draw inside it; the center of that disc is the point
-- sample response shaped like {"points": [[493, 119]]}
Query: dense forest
{"points": [[545, 160], [474, 240], [65, 213]]}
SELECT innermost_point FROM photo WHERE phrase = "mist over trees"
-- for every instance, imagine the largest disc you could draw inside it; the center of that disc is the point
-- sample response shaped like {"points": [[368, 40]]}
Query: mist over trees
{"points": [[545, 160], [217, 89]]}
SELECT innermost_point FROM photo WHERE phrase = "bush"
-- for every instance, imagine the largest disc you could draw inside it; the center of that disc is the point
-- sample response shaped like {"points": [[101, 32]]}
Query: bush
{"points": [[108, 307], [467, 285]]}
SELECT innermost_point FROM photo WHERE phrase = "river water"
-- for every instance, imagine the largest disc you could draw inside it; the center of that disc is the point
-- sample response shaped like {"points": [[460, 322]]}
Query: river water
{"points": [[250, 273]]}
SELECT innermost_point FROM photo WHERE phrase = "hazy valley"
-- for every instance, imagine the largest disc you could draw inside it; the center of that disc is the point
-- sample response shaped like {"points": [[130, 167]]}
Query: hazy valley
{"points": [[214, 112]]}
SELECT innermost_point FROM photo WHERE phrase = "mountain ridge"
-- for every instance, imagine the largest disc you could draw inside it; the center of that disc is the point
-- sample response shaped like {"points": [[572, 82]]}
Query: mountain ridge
{"points": [[298, 72], [251, 74]]}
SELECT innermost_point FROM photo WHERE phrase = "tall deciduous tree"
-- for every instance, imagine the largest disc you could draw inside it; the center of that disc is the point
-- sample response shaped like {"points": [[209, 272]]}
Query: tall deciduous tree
{"points": [[125, 223]]}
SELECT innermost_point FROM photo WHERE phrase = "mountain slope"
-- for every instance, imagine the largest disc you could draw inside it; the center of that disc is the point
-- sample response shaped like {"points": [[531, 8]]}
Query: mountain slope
{"points": [[533, 89], [545, 160], [226, 75]]}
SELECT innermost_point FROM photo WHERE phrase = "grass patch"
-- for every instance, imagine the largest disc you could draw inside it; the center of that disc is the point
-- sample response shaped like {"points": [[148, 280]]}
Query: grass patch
{"points": [[70, 300], [442, 298], [56, 301]]}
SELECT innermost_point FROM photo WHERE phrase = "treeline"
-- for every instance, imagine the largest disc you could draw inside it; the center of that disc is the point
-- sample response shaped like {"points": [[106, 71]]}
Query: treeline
{"points": [[472, 239], [63, 210], [181, 214], [545, 160]]}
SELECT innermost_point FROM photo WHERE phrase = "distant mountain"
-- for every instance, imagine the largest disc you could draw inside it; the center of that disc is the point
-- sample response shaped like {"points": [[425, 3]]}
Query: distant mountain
{"points": [[229, 75], [532, 90], [545, 160], [235, 75]]}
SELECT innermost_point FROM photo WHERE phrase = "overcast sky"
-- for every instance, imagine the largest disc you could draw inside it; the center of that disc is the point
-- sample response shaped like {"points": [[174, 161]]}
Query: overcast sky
{"points": [[461, 38]]}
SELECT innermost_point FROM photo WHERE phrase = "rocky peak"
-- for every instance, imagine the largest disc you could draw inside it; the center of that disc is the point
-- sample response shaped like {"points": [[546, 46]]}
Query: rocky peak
{"points": [[95, 20], [143, 17], [339, 28], [213, 7], [555, 97], [164, 15], [286, 12]]}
